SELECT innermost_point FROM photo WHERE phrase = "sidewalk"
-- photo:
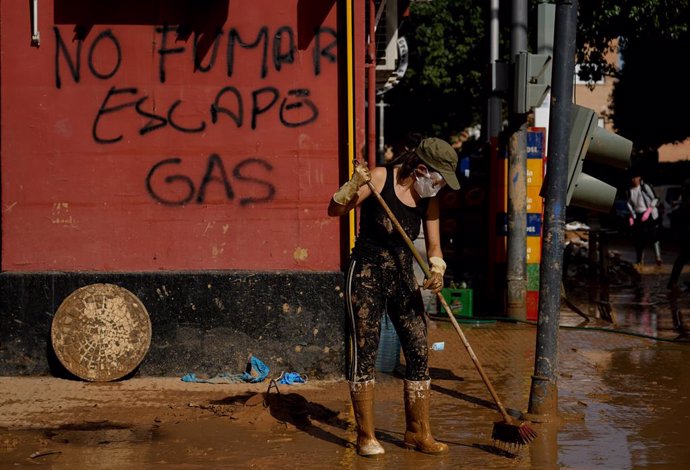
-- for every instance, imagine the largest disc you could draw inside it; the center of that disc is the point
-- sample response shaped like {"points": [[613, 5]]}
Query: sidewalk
{"points": [[623, 404]]}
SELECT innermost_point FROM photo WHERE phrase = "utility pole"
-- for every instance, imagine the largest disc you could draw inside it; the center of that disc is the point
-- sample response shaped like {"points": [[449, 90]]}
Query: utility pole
{"points": [[494, 116], [516, 266], [382, 139], [371, 87], [544, 392], [497, 84]]}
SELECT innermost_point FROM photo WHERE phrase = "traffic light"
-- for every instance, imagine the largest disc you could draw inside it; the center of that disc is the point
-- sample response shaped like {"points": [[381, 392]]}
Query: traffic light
{"points": [[588, 140], [532, 81]]}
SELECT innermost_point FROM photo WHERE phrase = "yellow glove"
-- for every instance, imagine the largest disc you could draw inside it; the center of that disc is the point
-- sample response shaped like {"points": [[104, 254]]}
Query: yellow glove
{"points": [[438, 269], [347, 191], [361, 175]]}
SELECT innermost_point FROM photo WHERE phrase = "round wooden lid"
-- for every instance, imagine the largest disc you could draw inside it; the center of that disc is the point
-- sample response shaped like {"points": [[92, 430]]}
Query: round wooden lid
{"points": [[101, 332]]}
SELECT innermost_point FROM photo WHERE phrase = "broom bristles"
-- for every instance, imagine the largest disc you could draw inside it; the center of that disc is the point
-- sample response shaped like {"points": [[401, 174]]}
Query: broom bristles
{"points": [[520, 434]]}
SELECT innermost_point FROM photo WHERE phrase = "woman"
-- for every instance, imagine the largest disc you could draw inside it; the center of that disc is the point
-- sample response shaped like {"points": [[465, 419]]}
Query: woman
{"points": [[642, 205], [381, 279]]}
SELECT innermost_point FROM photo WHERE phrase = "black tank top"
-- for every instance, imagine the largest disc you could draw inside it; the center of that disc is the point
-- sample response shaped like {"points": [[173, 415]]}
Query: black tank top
{"points": [[377, 232]]}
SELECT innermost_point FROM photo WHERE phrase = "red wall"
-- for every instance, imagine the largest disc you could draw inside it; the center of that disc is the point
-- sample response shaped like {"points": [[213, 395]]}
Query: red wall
{"points": [[113, 159]]}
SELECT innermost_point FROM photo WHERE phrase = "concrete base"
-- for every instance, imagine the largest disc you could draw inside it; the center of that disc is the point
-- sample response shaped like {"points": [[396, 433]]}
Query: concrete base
{"points": [[203, 322]]}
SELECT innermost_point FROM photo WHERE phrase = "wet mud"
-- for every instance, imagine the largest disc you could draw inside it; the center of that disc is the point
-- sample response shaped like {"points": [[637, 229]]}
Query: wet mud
{"points": [[623, 399]]}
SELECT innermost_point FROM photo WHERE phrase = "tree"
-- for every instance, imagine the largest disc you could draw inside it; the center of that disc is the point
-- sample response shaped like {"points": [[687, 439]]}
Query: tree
{"points": [[444, 88], [441, 92], [602, 22], [652, 36], [651, 97]]}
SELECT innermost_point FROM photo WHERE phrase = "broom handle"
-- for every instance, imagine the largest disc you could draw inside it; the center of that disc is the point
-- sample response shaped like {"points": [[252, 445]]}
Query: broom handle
{"points": [[446, 307]]}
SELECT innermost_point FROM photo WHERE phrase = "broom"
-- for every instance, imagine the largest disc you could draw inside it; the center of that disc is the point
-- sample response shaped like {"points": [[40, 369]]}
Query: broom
{"points": [[506, 431]]}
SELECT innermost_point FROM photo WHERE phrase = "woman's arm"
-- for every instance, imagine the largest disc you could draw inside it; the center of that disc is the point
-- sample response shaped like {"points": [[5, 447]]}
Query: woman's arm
{"points": [[378, 178], [432, 239], [432, 236]]}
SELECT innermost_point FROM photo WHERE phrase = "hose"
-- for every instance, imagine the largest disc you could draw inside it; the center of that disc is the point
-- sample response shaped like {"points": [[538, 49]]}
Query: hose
{"points": [[681, 339]]}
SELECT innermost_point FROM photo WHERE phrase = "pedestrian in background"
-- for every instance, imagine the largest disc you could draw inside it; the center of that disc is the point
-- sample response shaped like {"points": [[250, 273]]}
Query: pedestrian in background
{"points": [[683, 219], [644, 216], [381, 279]]}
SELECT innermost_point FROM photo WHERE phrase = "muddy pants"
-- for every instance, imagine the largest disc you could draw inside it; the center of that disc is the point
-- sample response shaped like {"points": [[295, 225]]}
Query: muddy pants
{"points": [[372, 288]]}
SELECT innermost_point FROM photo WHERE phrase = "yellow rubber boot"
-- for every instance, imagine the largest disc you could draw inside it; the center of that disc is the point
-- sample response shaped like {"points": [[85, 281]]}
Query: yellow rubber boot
{"points": [[418, 432], [362, 395]]}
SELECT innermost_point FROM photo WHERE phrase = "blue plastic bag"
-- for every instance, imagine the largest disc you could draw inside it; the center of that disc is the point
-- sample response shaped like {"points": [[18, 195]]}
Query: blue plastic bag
{"points": [[289, 378], [260, 368]]}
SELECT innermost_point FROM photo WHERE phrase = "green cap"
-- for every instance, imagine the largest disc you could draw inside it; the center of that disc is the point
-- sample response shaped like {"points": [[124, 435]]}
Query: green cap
{"points": [[440, 156]]}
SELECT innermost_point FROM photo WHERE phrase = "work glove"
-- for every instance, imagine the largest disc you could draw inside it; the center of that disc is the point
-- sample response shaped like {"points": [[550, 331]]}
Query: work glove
{"points": [[646, 214], [360, 177], [438, 268], [631, 220]]}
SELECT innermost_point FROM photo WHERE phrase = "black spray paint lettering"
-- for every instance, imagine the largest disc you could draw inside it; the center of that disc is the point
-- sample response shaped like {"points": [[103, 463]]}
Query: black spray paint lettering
{"points": [[280, 57], [74, 63], [107, 34], [106, 110], [154, 121], [297, 103], [74, 67], [283, 51], [257, 107], [234, 38], [236, 115], [214, 53], [262, 101], [183, 187], [326, 51], [164, 51]]}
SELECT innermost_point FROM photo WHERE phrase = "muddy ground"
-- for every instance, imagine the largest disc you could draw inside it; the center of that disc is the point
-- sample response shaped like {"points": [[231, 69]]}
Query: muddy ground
{"points": [[624, 396]]}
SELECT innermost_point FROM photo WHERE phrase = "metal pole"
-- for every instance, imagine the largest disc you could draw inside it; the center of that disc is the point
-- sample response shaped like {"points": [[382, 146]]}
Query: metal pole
{"points": [[544, 392], [516, 267], [382, 139], [518, 27], [371, 87], [494, 119], [494, 124]]}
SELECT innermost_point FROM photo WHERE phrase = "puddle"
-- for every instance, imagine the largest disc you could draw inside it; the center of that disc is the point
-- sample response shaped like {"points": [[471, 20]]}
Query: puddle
{"points": [[624, 403]]}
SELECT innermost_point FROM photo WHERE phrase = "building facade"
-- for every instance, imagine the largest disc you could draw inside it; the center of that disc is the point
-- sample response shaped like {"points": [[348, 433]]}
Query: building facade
{"points": [[185, 151]]}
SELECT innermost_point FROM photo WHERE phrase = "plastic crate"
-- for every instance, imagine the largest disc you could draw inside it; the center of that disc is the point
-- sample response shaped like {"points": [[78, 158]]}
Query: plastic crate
{"points": [[459, 301]]}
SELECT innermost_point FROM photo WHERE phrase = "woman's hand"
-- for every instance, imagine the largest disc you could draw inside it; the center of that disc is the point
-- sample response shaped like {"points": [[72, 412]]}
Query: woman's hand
{"points": [[352, 193], [646, 214], [434, 283], [360, 177], [438, 268]]}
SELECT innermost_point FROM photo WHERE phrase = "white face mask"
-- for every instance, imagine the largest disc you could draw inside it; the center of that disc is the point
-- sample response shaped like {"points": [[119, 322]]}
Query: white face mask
{"points": [[428, 185]]}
